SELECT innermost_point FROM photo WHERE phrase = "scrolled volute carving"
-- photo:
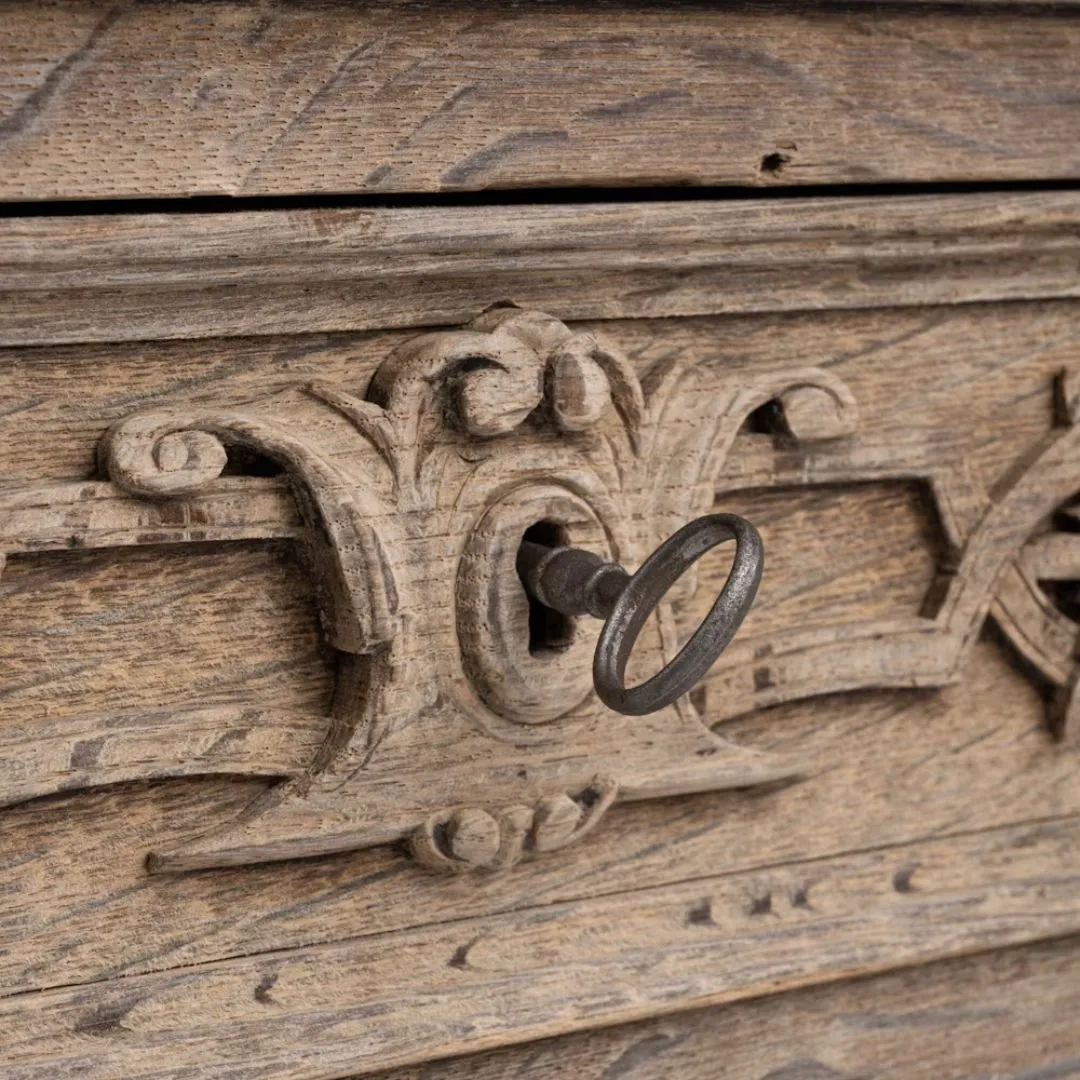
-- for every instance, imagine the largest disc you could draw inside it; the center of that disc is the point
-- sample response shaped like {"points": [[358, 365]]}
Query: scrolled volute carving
{"points": [[171, 453], [493, 375], [154, 457], [457, 727]]}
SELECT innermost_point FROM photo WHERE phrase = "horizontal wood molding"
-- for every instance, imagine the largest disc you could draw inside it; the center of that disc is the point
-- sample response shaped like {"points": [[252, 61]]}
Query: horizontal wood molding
{"points": [[314, 1014], [71, 863], [117, 278], [98, 515], [1010, 1015], [91, 634], [93, 750], [100, 100]]}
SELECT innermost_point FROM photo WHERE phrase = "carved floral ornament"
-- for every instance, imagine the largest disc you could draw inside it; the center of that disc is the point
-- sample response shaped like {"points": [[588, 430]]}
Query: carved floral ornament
{"points": [[447, 731]]}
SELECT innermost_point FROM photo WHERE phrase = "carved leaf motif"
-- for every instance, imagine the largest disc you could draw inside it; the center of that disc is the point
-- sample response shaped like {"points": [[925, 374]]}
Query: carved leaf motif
{"points": [[448, 729]]}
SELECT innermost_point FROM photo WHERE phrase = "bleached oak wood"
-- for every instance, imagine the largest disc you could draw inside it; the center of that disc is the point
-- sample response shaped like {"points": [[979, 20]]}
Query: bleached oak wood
{"points": [[862, 460], [102, 100], [72, 752], [54, 517], [889, 769], [491, 750], [166, 660], [317, 1013], [134, 277], [99, 715], [1003, 777], [459, 420], [1010, 1015], [906, 367]]}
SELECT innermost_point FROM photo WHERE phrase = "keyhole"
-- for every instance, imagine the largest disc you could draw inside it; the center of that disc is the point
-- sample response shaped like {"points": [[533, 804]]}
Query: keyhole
{"points": [[549, 630]]}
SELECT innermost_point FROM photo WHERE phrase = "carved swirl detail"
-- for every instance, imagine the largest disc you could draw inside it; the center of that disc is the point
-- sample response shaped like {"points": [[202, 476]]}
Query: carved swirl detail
{"points": [[471, 838], [147, 457], [449, 729], [170, 453]]}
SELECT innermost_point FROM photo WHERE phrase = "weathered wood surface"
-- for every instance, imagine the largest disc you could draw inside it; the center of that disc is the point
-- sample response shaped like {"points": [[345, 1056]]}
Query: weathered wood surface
{"points": [[1028, 335], [103, 278], [316, 1013], [74, 752], [927, 824], [1010, 1015], [417, 498], [57, 517], [102, 100], [91, 634], [943, 663], [907, 368], [121, 613], [81, 624], [449, 727], [891, 770]]}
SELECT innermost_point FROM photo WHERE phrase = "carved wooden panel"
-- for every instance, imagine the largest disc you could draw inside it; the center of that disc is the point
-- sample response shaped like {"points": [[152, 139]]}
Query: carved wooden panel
{"points": [[260, 603], [450, 727], [447, 726]]}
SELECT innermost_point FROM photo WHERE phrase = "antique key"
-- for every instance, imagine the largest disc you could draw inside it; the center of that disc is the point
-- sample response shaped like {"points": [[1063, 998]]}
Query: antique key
{"points": [[572, 581]]}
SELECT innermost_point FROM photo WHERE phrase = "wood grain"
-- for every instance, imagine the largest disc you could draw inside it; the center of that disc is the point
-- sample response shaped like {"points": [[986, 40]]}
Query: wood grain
{"points": [[59, 517], [812, 586], [152, 276], [928, 824], [907, 367], [72, 752], [448, 727], [106, 101], [312, 968], [362, 468], [969, 757], [155, 630], [1010, 1015], [894, 768], [316, 1013]]}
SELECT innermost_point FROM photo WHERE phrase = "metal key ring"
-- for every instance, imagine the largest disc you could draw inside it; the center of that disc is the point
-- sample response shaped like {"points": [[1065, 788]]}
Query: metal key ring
{"points": [[578, 582], [647, 588]]}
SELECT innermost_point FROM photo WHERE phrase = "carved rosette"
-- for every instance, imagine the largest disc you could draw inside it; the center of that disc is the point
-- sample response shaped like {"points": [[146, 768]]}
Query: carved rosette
{"points": [[1037, 598]]}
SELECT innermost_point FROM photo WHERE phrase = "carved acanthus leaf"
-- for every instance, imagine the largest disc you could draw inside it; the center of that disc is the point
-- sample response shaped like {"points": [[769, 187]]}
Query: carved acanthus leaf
{"points": [[450, 728]]}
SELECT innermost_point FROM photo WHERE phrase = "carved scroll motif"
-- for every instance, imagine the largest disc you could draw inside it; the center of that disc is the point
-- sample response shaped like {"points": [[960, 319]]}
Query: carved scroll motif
{"points": [[991, 568], [448, 729]]}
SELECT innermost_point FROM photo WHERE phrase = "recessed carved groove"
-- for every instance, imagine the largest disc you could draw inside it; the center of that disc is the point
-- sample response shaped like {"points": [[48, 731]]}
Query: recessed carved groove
{"points": [[410, 504], [71, 752]]}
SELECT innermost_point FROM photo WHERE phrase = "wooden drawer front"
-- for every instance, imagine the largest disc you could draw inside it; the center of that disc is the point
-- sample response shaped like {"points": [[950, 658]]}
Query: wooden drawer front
{"points": [[879, 772], [986, 1015], [395, 97]]}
